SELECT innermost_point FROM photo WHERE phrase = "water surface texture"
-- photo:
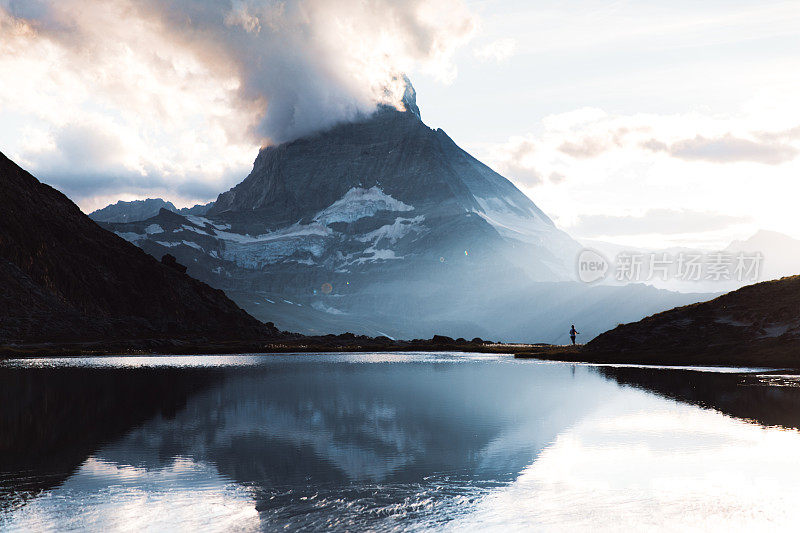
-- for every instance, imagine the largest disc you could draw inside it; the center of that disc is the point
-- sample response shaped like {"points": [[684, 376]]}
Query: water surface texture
{"points": [[392, 442]]}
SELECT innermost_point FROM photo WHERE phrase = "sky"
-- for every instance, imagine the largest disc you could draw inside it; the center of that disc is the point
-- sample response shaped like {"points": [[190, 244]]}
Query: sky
{"points": [[647, 124]]}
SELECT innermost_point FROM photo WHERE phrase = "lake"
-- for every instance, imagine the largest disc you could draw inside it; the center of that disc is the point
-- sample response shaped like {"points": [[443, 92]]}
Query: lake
{"points": [[393, 442]]}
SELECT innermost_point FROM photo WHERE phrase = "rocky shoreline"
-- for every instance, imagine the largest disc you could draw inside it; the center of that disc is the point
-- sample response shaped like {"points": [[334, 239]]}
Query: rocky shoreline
{"points": [[346, 342], [777, 359]]}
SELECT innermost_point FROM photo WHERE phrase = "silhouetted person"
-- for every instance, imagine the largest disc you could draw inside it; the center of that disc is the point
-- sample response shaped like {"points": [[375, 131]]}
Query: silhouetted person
{"points": [[572, 333]]}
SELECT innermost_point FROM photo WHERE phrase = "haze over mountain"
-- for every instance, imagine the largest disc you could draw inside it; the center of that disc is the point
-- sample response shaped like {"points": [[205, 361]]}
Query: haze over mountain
{"points": [[766, 255], [781, 253], [386, 226], [64, 278]]}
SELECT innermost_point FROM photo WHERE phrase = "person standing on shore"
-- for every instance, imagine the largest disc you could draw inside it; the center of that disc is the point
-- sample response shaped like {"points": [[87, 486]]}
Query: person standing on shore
{"points": [[572, 333]]}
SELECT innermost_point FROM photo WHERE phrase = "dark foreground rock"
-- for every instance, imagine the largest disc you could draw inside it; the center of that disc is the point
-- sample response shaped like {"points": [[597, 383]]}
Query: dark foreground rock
{"points": [[65, 279], [757, 325]]}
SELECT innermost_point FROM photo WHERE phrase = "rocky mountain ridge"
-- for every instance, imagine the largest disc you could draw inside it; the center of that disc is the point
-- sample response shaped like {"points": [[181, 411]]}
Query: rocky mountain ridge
{"points": [[63, 277], [137, 210]]}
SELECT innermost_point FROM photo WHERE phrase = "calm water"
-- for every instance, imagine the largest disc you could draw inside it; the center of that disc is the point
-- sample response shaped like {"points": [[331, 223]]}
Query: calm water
{"points": [[392, 442]]}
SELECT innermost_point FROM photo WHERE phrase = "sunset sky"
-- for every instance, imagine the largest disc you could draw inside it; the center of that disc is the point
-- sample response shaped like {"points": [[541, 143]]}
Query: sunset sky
{"points": [[648, 124]]}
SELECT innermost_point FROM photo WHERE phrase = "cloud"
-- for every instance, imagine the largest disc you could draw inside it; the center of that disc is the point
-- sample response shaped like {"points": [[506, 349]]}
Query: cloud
{"points": [[726, 149], [84, 146], [88, 158], [189, 89], [587, 137], [597, 144], [523, 175], [587, 147], [514, 162], [660, 221], [790, 134], [499, 50], [299, 66], [91, 158]]}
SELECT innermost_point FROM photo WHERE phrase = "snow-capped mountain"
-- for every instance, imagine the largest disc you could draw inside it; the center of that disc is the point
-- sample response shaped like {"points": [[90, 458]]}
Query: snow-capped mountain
{"points": [[382, 226]]}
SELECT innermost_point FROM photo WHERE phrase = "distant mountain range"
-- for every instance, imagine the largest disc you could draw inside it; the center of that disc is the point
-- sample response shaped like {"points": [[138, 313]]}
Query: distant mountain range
{"points": [[779, 256], [63, 278], [143, 209], [386, 226]]}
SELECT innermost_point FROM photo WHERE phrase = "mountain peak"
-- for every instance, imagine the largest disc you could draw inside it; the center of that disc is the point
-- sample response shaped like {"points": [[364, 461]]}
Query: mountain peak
{"points": [[123, 211], [410, 98]]}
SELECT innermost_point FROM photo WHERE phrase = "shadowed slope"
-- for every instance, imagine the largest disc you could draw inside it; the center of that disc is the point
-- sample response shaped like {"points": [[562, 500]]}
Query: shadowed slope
{"points": [[62, 277], [756, 325]]}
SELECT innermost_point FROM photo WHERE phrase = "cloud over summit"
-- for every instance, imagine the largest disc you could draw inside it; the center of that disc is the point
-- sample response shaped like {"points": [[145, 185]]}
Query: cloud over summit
{"points": [[227, 75], [301, 65]]}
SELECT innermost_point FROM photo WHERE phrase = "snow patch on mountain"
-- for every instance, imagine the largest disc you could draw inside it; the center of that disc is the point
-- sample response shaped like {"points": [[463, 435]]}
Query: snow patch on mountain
{"points": [[514, 222], [294, 231], [202, 221], [395, 231], [194, 229], [360, 203], [302, 243], [319, 306], [152, 229], [511, 221], [190, 244], [258, 254], [378, 255]]}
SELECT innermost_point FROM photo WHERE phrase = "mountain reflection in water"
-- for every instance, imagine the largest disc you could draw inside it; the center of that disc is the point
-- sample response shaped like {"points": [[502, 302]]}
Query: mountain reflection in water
{"points": [[342, 441]]}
